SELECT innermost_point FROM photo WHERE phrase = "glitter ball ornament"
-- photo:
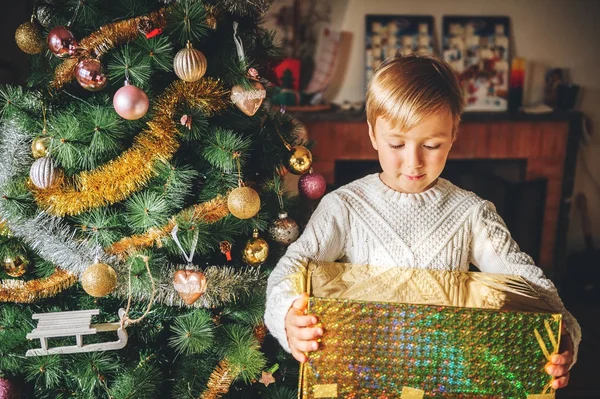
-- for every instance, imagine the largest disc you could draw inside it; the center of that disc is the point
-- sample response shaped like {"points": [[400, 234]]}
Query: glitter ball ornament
{"points": [[189, 64], [45, 13], [61, 42], [256, 250], [39, 146], [300, 160], [312, 185], [15, 263], [29, 38], [248, 100], [99, 280], [189, 284], [90, 74], [284, 230], [130, 102], [243, 202], [9, 389], [43, 173]]}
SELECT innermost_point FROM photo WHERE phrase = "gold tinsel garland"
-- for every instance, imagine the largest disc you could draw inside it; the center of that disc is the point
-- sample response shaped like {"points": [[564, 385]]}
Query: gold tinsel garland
{"points": [[106, 38], [119, 178], [220, 380], [209, 212], [223, 375], [30, 291]]}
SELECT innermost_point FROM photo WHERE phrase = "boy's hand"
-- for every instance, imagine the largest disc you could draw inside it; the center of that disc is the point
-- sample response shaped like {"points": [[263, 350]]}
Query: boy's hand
{"points": [[301, 334], [559, 363]]}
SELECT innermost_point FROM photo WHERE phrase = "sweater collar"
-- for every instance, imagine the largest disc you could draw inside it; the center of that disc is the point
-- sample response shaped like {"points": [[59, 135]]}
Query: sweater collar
{"points": [[429, 195]]}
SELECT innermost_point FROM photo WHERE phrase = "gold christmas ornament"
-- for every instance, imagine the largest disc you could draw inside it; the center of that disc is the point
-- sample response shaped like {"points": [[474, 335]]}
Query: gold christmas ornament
{"points": [[256, 250], [300, 160], [39, 146], [42, 173], [15, 264], [99, 280], [248, 101], [189, 284], [29, 38], [284, 230], [189, 64], [243, 202]]}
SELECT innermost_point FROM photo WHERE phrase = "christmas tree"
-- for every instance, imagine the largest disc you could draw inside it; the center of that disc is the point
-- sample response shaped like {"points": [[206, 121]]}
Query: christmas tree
{"points": [[142, 203]]}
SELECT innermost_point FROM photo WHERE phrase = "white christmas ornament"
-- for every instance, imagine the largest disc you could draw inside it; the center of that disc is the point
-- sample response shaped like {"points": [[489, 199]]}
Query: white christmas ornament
{"points": [[42, 172]]}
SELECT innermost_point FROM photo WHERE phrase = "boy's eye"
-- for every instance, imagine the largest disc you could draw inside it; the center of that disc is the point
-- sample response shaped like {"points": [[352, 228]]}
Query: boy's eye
{"points": [[396, 146], [432, 147]]}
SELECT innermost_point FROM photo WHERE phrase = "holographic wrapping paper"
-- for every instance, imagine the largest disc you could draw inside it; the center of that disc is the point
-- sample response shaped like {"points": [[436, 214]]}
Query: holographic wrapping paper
{"points": [[375, 349]]}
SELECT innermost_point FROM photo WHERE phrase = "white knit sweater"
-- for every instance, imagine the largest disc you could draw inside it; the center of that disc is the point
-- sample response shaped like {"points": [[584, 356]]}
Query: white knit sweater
{"points": [[366, 222]]}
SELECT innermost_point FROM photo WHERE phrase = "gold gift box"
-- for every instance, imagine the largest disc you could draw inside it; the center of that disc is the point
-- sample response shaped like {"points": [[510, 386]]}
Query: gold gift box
{"points": [[412, 333]]}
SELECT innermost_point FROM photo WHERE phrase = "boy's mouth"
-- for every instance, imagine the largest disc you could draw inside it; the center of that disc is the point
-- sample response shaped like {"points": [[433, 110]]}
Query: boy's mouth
{"points": [[414, 177]]}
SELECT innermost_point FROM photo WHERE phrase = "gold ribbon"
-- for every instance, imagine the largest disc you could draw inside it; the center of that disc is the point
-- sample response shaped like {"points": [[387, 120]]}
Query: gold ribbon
{"points": [[548, 391]]}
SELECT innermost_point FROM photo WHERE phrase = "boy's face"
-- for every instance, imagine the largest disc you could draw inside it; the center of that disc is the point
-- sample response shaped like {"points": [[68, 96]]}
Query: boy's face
{"points": [[413, 160]]}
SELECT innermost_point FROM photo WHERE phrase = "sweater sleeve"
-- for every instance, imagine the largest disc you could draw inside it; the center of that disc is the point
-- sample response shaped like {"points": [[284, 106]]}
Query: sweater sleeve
{"points": [[323, 239], [493, 250]]}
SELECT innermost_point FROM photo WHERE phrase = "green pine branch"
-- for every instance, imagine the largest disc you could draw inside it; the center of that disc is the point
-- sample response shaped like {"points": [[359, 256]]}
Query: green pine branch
{"points": [[144, 210], [192, 333], [223, 148], [186, 21]]}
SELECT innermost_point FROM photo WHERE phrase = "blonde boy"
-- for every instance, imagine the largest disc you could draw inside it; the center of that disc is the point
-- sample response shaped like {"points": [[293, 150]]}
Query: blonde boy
{"points": [[406, 216]]}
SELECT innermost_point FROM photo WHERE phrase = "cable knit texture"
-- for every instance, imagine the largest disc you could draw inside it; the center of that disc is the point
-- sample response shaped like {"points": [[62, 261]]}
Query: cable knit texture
{"points": [[443, 228]]}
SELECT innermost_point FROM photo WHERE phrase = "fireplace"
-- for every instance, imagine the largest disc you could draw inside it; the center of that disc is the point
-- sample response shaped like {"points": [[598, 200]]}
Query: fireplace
{"points": [[519, 201]]}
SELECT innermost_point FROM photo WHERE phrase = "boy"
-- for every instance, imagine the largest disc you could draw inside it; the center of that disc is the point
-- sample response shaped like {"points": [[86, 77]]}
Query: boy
{"points": [[407, 216]]}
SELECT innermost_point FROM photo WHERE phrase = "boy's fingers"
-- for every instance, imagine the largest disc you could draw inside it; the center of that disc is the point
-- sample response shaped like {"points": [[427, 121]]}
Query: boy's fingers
{"points": [[562, 358], [301, 303], [557, 370], [561, 382], [306, 346], [306, 334], [299, 356], [302, 320]]}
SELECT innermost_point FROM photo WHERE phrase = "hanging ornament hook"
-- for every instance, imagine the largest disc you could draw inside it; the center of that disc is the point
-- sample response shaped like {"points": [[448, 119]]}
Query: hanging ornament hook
{"points": [[187, 257]]}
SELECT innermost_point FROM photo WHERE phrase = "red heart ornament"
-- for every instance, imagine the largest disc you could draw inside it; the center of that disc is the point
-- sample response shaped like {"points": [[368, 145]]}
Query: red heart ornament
{"points": [[189, 284]]}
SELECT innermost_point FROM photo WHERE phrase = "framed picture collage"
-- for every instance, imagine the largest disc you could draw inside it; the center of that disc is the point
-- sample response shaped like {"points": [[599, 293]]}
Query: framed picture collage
{"points": [[477, 48]]}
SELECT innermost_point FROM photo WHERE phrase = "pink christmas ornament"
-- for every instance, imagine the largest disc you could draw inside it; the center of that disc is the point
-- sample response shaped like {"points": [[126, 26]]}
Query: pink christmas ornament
{"points": [[312, 185], [9, 390], [130, 102], [90, 74], [61, 42]]}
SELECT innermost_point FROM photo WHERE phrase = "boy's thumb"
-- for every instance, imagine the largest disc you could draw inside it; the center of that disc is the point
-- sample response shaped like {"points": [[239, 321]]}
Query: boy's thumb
{"points": [[301, 303]]}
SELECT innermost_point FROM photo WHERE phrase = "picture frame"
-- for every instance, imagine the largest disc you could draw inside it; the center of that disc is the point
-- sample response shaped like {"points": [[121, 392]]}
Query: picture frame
{"points": [[478, 49], [387, 35]]}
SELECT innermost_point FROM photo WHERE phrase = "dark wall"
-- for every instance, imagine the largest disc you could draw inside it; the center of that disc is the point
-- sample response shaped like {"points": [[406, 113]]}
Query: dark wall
{"points": [[14, 63]]}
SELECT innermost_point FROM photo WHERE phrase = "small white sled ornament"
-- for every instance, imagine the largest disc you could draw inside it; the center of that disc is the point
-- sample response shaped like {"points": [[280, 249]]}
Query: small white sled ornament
{"points": [[76, 323]]}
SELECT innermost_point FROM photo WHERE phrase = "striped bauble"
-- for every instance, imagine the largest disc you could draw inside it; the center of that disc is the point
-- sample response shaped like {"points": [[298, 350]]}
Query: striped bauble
{"points": [[43, 173], [189, 64]]}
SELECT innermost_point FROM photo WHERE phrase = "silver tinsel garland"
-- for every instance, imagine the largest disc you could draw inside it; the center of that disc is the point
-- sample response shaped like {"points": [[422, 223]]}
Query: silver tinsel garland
{"points": [[49, 236], [224, 284]]}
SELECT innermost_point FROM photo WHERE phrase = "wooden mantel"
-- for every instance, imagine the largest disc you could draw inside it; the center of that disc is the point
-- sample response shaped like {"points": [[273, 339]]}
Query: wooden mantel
{"points": [[547, 142]]}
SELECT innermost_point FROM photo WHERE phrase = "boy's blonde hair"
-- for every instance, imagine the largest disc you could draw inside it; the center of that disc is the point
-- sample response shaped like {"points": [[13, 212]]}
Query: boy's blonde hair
{"points": [[406, 89]]}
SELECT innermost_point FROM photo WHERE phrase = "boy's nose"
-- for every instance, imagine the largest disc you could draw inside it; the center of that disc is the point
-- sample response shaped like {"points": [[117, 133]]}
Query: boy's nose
{"points": [[414, 159]]}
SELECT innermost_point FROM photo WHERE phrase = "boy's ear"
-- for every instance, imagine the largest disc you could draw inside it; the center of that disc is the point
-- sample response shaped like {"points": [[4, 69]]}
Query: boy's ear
{"points": [[372, 136]]}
